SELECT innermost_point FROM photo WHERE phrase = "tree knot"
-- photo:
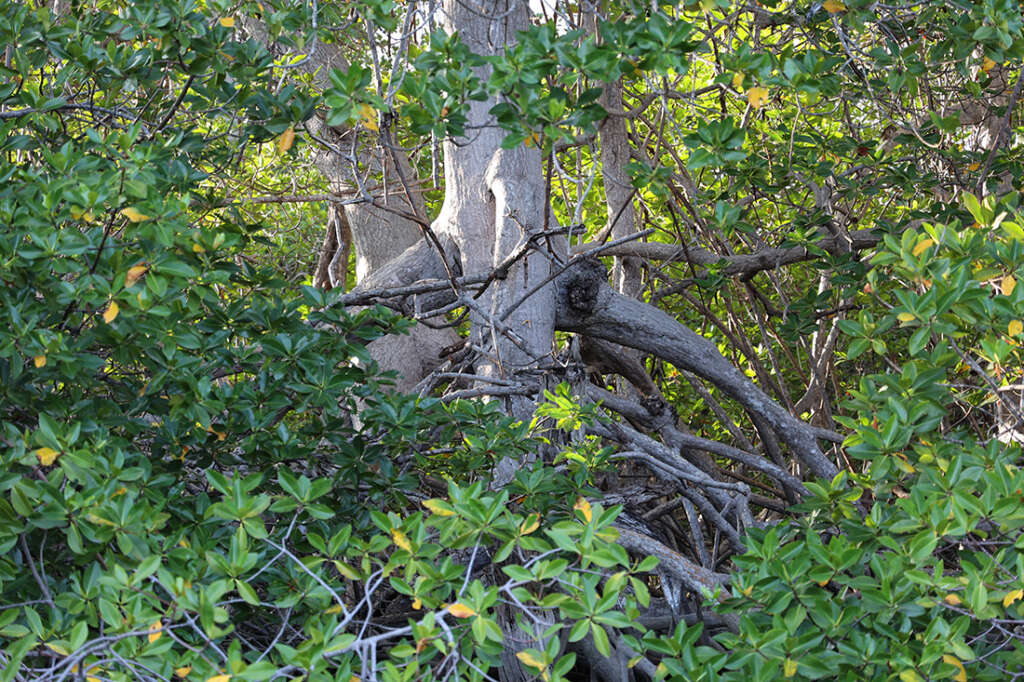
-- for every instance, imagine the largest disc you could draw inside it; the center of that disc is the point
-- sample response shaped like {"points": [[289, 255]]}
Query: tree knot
{"points": [[579, 286]]}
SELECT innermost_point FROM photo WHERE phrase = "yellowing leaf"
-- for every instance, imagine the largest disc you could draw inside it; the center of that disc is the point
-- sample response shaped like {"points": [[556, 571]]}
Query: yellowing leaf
{"points": [[39, 361], [953, 660], [527, 658], [47, 456], [909, 676], [417, 604], [183, 671], [218, 678], [111, 312], [789, 667], [974, 166], [584, 507], [134, 214], [833, 6], [737, 81], [530, 524], [461, 610], [1008, 284], [1015, 327], [284, 143], [155, 631], [368, 117], [905, 317], [53, 646], [134, 273], [227, 22], [756, 96], [198, 248], [438, 507], [951, 599], [532, 140], [922, 245], [401, 540], [987, 64]]}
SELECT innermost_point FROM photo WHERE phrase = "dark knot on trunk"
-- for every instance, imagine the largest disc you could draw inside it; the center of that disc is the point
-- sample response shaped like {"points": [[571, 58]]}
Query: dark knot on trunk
{"points": [[579, 285]]}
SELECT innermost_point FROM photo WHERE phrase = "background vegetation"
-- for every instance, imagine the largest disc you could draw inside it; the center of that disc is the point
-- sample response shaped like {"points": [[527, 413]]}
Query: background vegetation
{"points": [[204, 475]]}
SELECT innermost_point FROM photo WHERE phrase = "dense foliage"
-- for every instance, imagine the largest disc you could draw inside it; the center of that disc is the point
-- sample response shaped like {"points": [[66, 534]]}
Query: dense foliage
{"points": [[203, 474]]}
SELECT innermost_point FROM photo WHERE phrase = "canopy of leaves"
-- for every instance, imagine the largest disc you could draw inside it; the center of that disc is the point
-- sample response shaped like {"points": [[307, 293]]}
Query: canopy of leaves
{"points": [[204, 476]]}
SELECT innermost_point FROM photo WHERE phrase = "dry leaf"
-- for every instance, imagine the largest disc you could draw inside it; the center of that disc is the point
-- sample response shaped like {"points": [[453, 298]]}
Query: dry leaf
{"points": [[368, 117], [529, 659], [530, 524], [401, 540], [922, 245], [757, 96], [284, 143], [438, 507], [584, 506], [953, 660], [134, 273], [111, 312], [987, 64], [134, 214], [46, 456]]}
